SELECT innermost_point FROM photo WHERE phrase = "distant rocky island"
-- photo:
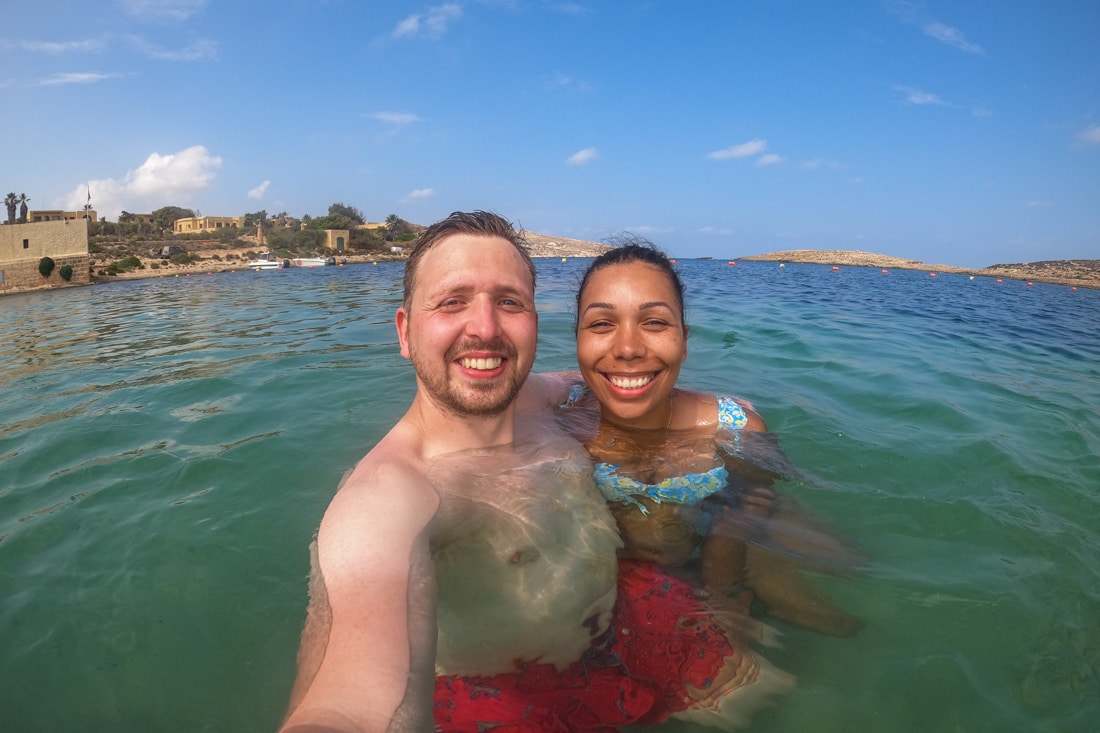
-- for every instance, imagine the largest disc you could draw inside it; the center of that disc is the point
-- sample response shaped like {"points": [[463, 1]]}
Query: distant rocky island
{"points": [[1081, 273]]}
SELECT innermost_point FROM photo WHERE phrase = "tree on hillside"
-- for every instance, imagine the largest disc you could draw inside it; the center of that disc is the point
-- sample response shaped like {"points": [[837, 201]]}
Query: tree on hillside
{"points": [[23, 199], [11, 201], [165, 218], [256, 218], [348, 212], [397, 227]]}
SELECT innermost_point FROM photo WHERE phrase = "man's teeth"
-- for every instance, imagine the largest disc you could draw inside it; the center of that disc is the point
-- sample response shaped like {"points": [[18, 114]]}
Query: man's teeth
{"points": [[491, 363], [630, 382]]}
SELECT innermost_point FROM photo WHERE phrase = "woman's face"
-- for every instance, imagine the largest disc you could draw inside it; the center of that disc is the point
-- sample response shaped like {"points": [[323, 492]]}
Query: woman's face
{"points": [[631, 342]]}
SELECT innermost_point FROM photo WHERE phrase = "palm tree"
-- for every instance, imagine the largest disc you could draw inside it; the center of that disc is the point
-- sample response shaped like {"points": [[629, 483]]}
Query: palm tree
{"points": [[11, 201], [23, 208]]}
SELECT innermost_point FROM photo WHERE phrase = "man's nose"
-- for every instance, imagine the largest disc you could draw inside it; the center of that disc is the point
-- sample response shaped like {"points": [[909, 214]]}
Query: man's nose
{"points": [[484, 321]]}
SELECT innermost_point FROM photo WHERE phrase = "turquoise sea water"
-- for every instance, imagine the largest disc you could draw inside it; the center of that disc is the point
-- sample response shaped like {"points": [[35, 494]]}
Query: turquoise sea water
{"points": [[167, 448]]}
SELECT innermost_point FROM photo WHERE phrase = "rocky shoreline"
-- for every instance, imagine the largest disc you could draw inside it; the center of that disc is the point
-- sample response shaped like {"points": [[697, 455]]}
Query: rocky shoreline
{"points": [[1074, 273]]}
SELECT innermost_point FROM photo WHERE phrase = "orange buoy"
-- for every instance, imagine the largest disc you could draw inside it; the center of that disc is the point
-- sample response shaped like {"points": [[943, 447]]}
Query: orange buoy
{"points": [[1031, 284], [1000, 280], [1073, 287], [885, 272], [835, 267], [931, 274], [731, 262]]}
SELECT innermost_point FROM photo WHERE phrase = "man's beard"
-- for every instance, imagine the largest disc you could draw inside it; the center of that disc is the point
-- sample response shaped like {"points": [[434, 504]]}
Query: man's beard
{"points": [[476, 399]]}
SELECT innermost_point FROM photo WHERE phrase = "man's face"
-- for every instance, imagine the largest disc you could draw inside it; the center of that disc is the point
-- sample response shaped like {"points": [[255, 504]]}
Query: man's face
{"points": [[471, 325]]}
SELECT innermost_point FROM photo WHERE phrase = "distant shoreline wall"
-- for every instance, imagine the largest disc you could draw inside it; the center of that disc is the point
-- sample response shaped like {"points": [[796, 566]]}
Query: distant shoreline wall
{"points": [[22, 247]]}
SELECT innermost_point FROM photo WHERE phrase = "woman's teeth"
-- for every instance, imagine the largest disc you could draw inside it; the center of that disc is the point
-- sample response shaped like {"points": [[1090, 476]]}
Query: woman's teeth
{"points": [[630, 382]]}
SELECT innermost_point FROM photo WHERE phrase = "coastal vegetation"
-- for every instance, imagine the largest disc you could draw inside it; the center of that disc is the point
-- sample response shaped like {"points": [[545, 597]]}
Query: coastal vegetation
{"points": [[135, 242]]}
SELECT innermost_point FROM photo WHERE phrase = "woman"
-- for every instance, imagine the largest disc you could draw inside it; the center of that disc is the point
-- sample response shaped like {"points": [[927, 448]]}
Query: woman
{"points": [[672, 462]]}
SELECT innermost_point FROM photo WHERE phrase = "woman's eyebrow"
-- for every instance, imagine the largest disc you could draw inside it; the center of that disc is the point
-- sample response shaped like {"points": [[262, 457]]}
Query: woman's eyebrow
{"points": [[600, 306]]}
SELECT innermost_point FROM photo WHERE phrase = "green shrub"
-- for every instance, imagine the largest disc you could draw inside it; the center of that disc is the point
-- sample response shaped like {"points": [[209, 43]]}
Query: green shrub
{"points": [[45, 266], [66, 273], [125, 265]]}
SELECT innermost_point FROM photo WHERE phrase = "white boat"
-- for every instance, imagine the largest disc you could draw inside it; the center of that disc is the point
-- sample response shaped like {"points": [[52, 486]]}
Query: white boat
{"points": [[307, 262], [268, 261]]}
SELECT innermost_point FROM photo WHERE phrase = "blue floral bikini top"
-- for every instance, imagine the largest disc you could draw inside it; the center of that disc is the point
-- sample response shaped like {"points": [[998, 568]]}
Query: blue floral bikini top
{"points": [[690, 488]]}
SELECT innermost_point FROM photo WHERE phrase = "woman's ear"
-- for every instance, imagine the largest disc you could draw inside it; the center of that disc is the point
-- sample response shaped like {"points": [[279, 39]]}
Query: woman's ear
{"points": [[684, 357]]}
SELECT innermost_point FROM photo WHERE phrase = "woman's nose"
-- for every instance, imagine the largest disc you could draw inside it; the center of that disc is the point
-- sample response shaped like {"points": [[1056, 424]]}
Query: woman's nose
{"points": [[627, 345]]}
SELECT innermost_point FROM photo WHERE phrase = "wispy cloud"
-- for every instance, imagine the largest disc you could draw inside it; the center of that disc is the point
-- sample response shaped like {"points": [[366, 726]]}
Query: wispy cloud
{"points": [[160, 180], [919, 97], [744, 150], [432, 23], [951, 36], [200, 50], [400, 119], [420, 193], [76, 77], [58, 48], [569, 83], [769, 159], [815, 163], [162, 11], [1090, 135], [583, 157], [933, 28], [567, 8], [258, 192]]}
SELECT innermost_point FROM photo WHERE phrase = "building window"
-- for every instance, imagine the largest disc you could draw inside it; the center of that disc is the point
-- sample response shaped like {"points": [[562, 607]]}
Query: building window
{"points": [[26, 244]]}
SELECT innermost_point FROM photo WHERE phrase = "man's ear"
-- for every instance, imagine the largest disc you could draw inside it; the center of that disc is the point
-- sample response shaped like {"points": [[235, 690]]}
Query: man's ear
{"points": [[401, 321]]}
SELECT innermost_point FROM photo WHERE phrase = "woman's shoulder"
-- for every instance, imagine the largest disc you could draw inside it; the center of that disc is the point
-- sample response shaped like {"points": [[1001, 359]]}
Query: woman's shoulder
{"points": [[717, 410]]}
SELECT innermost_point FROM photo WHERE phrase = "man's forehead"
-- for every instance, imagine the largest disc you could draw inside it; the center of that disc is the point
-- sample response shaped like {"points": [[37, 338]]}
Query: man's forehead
{"points": [[470, 261]]}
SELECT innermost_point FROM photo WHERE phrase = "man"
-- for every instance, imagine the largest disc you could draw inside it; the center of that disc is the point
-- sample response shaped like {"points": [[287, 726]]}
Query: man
{"points": [[473, 546], [368, 655]]}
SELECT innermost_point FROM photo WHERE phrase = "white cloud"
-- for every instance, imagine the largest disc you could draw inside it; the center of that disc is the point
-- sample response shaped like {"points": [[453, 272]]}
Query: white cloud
{"points": [[55, 48], [162, 11], [769, 159], [162, 180], [84, 77], [916, 96], [582, 157], [568, 83], [910, 13], [420, 193], [397, 119], [815, 163], [950, 36], [744, 150], [432, 23], [1090, 135], [200, 50], [258, 192]]}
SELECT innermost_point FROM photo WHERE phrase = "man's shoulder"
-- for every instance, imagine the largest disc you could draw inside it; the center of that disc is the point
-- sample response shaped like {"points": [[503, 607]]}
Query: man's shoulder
{"points": [[390, 481]]}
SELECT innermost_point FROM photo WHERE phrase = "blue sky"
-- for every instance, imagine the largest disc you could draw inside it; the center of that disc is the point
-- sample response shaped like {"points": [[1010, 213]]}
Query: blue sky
{"points": [[963, 133]]}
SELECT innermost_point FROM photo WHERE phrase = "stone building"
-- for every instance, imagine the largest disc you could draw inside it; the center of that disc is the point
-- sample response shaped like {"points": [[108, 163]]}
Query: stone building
{"points": [[22, 247], [193, 224]]}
